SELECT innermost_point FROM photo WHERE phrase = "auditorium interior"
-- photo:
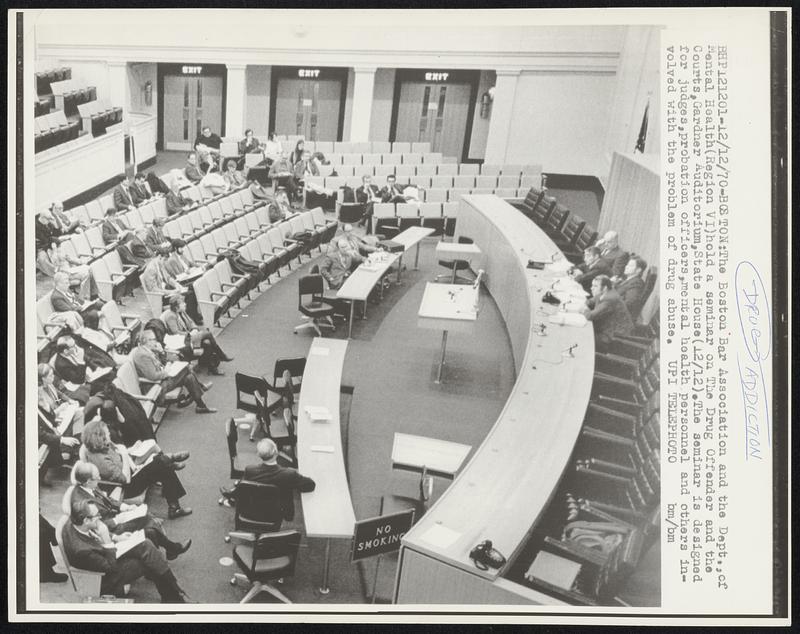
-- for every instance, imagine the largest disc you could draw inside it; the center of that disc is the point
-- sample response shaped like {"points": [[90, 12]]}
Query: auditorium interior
{"points": [[458, 344]]}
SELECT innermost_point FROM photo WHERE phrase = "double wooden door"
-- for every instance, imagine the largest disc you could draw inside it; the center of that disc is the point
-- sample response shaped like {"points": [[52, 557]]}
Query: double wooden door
{"points": [[308, 107], [436, 113], [190, 103]]}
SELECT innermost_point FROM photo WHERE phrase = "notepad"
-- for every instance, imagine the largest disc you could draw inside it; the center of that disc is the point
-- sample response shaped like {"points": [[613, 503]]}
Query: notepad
{"points": [[568, 319], [175, 367], [320, 351], [127, 516], [553, 569], [318, 413], [69, 386], [65, 415], [174, 342], [136, 538], [93, 375], [440, 536], [322, 448]]}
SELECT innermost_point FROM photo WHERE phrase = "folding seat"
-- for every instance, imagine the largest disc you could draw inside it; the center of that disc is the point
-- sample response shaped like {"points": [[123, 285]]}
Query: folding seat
{"points": [[262, 215], [285, 231], [159, 207], [334, 182], [450, 213], [447, 169], [229, 290], [484, 182], [172, 229], [421, 146], [298, 227], [505, 192], [307, 218], [405, 171], [401, 146], [231, 235], [351, 158], [408, 215], [68, 247], [102, 278], [529, 180], [81, 245], [326, 170], [211, 305], [464, 182], [253, 224], [252, 252], [315, 180], [456, 193], [347, 170], [442, 182], [211, 248], [207, 194], [186, 228], [542, 210], [198, 254], [342, 147], [436, 194], [94, 236], [126, 276], [239, 285], [223, 211], [129, 382], [330, 225], [123, 327], [567, 238], [106, 202], [244, 229], [335, 158], [490, 170], [385, 219], [506, 181], [531, 170], [95, 211], [269, 256], [134, 219], [426, 169], [511, 169], [482, 190], [285, 252], [81, 214], [371, 159], [449, 159], [360, 147], [207, 220], [392, 159], [431, 214], [382, 171], [420, 182], [412, 158], [196, 221], [432, 158], [326, 147]]}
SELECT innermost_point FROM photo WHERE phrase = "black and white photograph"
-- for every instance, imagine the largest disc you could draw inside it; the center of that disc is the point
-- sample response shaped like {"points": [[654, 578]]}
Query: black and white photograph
{"points": [[363, 312]]}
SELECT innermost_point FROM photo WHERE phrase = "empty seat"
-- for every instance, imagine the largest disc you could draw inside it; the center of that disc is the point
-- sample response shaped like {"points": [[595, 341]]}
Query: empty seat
{"points": [[386, 222], [493, 170], [507, 181], [349, 158], [464, 182], [486, 181], [450, 214], [421, 182], [392, 159], [443, 182], [505, 192], [431, 214], [382, 147], [511, 169], [412, 158], [455, 193], [408, 215], [401, 146], [421, 146], [527, 180], [405, 170], [426, 169], [382, 171], [371, 159], [469, 169], [447, 169]]}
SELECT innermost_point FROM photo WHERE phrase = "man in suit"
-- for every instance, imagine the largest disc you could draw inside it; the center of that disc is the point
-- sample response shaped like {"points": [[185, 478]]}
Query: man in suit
{"points": [[139, 190], [132, 250], [282, 174], [207, 146], [268, 471], [114, 227], [176, 202], [89, 545], [87, 477], [149, 366], [610, 251], [63, 300], [606, 310], [123, 198], [631, 288], [154, 236], [305, 167], [593, 265], [191, 170], [367, 194], [390, 192]]}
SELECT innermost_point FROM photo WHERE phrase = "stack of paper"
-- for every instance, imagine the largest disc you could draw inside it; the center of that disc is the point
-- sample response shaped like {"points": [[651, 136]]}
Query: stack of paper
{"points": [[136, 538], [318, 413], [127, 516], [174, 367], [568, 319], [174, 342]]}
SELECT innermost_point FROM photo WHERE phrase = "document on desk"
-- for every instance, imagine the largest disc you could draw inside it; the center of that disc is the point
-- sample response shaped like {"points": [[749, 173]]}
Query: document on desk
{"points": [[175, 367], [127, 516], [323, 448], [440, 536], [568, 319], [136, 538], [320, 351], [318, 414]]}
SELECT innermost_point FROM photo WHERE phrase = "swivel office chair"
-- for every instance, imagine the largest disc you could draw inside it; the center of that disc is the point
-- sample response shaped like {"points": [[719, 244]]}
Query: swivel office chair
{"points": [[259, 507], [456, 265], [263, 558], [315, 308]]}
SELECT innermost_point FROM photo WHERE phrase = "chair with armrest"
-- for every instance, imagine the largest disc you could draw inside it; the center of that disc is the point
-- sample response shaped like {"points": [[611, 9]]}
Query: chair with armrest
{"points": [[86, 583], [124, 327], [312, 305], [259, 507], [264, 558], [456, 265], [113, 489]]}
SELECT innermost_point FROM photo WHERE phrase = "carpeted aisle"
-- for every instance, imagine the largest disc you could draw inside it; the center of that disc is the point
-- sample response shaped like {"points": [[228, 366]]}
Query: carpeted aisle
{"points": [[392, 364]]}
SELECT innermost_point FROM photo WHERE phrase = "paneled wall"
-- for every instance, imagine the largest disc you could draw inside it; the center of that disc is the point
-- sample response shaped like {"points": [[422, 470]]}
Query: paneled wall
{"points": [[256, 107]]}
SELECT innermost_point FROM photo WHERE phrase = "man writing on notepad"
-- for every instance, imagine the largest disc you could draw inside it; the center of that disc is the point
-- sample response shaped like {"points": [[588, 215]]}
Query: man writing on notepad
{"points": [[89, 545], [146, 359], [268, 471], [113, 513]]}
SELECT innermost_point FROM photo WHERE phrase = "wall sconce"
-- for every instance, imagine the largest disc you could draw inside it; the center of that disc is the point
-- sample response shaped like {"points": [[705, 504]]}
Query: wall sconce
{"points": [[148, 93], [486, 103]]}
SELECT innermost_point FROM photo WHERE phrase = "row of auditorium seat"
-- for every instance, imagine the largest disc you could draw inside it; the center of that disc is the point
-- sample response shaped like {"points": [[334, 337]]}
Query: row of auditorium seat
{"points": [[41, 107], [70, 93], [434, 194], [352, 174], [47, 77], [53, 129], [288, 143], [97, 115], [391, 218]]}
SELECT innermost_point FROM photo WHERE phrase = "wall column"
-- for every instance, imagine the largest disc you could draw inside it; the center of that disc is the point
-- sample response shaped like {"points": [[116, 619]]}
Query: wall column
{"points": [[505, 90], [363, 87], [234, 100], [118, 89]]}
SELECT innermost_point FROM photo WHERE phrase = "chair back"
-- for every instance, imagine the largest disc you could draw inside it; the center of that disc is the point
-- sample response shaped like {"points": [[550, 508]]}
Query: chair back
{"points": [[295, 366], [280, 547], [85, 582], [259, 507], [246, 388], [310, 285], [621, 563]]}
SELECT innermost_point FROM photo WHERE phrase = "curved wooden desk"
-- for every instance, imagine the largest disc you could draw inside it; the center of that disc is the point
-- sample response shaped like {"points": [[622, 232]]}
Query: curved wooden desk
{"points": [[508, 482]]}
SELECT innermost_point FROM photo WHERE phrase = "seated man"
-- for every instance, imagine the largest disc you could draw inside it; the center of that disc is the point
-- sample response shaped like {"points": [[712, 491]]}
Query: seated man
{"points": [[367, 194], [606, 310], [46, 230], [279, 208], [68, 309], [272, 149], [66, 221], [593, 265], [305, 167], [176, 202], [177, 322], [154, 236], [233, 177], [391, 193], [611, 253], [156, 278], [358, 247], [249, 144], [89, 545], [76, 367], [191, 170], [207, 146], [114, 228], [282, 175], [139, 190], [149, 365], [123, 196], [179, 261], [87, 477], [270, 472], [337, 264], [56, 259], [631, 287]]}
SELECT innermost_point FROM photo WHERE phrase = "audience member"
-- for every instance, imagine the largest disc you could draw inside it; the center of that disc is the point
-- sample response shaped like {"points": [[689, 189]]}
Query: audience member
{"points": [[123, 196], [66, 221], [66, 304], [191, 170], [358, 247], [87, 477], [611, 253], [281, 174], [96, 336], [337, 264], [83, 375], [57, 259], [279, 208], [46, 230], [249, 144], [215, 183], [89, 545], [207, 146], [179, 262], [154, 236], [268, 471], [272, 148], [593, 265], [134, 251], [176, 202], [157, 186], [297, 154], [177, 322], [53, 406], [139, 191], [391, 193], [606, 310], [233, 177], [114, 227], [631, 287], [146, 357], [116, 465], [367, 194]]}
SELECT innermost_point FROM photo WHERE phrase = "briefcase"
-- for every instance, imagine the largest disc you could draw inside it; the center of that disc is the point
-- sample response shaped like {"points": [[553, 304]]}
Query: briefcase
{"points": [[391, 246]]}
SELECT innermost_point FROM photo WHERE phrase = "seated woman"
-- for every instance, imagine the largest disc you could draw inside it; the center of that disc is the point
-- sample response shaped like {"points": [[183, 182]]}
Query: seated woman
{"points": [[83, 374], [55, 258], [177, 322], [233, 177], [53, 406], [116, 465], [98, 342], [176, 202]]}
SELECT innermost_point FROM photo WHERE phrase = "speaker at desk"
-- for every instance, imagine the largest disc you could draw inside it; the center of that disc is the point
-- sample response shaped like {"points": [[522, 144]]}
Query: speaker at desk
{"points": [[350, 212]]}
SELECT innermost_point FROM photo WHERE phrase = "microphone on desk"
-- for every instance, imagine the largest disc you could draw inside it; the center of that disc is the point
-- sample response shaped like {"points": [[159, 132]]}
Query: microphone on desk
{"points": [[541, 329], [569, 350], [477, 281]]}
